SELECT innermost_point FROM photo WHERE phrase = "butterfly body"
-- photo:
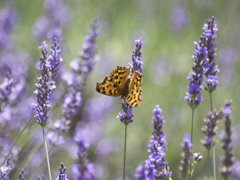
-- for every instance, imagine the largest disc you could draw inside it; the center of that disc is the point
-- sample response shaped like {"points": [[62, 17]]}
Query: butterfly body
{"points": [[119, 83]]}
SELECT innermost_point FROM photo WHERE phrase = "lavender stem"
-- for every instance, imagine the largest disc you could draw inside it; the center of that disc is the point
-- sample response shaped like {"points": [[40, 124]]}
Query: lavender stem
{"points": [[125, 147], [208, 164], [214, 161], [190, 175], [40, 164], [46, 150], [26, 160], [17, 139]]}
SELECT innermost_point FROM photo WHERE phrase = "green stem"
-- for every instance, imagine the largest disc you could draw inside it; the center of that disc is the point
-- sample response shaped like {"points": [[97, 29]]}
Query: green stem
{"points": [[125, 147], [17, 139], [25, 139], [208, 164], [214, 161], [36, 169], [27, 159], [190, 175], [46, 150]]}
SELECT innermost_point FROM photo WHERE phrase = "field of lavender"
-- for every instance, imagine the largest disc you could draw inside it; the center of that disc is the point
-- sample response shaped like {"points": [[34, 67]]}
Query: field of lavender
{"points": [[52, 53]]}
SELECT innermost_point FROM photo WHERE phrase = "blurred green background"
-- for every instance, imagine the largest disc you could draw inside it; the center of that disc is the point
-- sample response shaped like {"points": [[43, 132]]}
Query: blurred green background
{"points": [[168, 30]]}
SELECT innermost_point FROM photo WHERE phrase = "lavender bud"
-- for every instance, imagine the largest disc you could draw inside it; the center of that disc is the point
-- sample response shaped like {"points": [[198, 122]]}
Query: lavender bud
{"points": [[62, 173], [186, 155], [226, 139]]}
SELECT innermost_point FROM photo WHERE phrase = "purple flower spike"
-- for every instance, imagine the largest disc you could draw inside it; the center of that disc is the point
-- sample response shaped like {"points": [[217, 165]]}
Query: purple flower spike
{"points": [[210, 128], [209, 36], [186, 155], [137, 56], [126, 115], [204, 63], [227, 145], [22, 175], [6, 89], [48, 66], [8, 18], [82, 169], [5, 169], [155, 166], [62, 173]]}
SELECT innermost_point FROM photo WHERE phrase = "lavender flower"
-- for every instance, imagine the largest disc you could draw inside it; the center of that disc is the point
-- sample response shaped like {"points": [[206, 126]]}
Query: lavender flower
{"points": [[42, 177], [5, 90], [62, 173], [227, 146], [139, 172], [22, 175], [210, 35], [82, 169], [200, 58], [155, 166], [210, 128], [5, 169], [235, 171], [197, 157], [179, 17], [186, 155], [56, 15], [76, 79], [48, 68], [8, 18], [137, 56], [126, 115]]}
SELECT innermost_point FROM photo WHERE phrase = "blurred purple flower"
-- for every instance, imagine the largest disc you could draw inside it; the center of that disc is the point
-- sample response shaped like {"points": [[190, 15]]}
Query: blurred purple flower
{"points": [[227, 145], [5, 91], [80, 69], [5, 169], [82, 169], [210, 128], [186, 155], [235, 171], [139, 172], [197, 157], [62, 173], [155, 166], [8, 18], [56, 15], [160, 71], [22, 175], [227, 57], [179, 17]]}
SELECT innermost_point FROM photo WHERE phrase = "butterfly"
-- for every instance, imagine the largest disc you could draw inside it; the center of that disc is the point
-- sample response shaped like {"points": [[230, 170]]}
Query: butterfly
{"points": [[119, 83]]}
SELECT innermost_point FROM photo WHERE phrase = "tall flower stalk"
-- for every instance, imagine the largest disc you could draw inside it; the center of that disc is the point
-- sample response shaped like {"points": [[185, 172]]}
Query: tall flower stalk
{"points": [[211, 69], [210, 131], [193, 95], [48, 66], [126, 115], [227, 145]]}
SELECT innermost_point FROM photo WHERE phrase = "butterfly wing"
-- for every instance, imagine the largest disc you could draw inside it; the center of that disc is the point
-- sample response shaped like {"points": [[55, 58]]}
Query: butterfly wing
{"points": [[108, 87], [120, 76], [134, 95]]}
